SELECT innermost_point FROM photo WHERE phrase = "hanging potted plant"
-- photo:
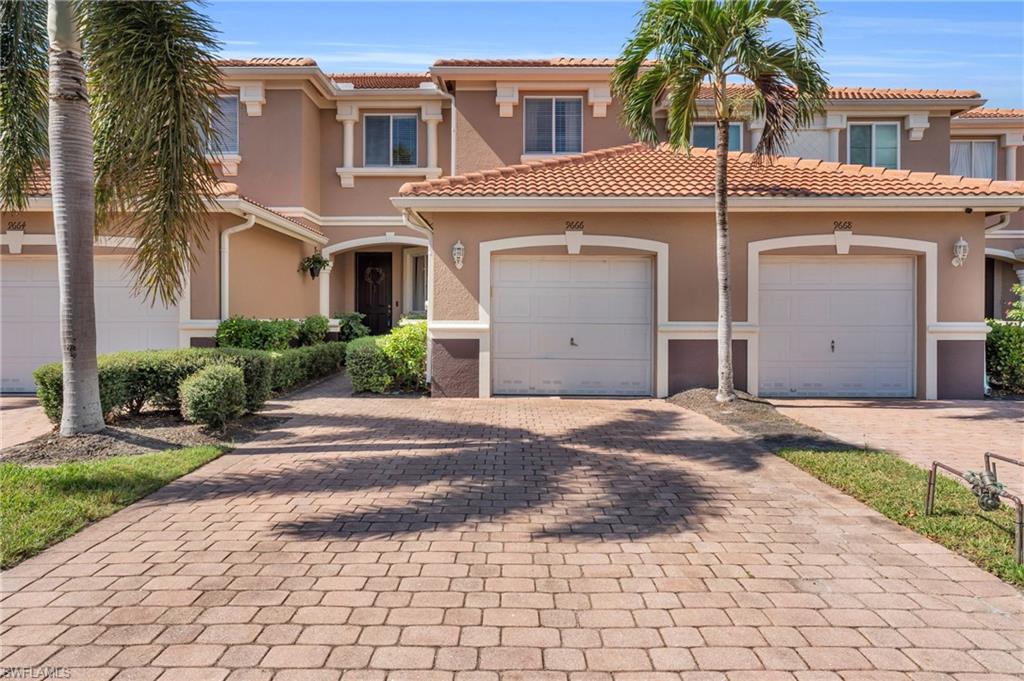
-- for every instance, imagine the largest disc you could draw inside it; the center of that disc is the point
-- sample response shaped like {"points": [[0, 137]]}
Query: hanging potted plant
{"points": [[314, 264]]}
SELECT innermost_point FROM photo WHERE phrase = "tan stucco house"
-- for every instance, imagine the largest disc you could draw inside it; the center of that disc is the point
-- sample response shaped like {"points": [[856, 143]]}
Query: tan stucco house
{"points": [[503, 200]]}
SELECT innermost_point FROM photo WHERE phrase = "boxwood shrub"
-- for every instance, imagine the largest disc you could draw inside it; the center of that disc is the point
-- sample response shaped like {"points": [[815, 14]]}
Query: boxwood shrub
{"points": [[313, 329], [130, 380], [257, 334], [1004, 355], [368, 366], [213, 395], [406, 348]]}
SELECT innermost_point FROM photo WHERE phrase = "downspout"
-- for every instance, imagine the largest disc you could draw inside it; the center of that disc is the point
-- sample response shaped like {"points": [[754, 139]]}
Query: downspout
{"points": [[1003, 221], [225, 260]]}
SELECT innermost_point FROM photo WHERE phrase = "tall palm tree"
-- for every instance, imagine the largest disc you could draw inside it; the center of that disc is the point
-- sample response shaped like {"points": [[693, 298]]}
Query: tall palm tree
{"points": [[700, 46], [130, 103]]}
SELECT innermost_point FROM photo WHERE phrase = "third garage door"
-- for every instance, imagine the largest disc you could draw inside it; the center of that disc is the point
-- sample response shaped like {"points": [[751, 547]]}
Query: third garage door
{"points": [[573, 325], [837, 326]]}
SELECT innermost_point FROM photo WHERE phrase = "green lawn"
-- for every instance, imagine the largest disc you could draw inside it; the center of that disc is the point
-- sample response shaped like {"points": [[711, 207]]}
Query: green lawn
{"points": [[40, 506], [896, 489]]}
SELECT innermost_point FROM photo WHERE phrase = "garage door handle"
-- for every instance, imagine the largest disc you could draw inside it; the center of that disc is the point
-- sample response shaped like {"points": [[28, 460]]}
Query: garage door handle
{"points": [[572, 342], [833, 346]]}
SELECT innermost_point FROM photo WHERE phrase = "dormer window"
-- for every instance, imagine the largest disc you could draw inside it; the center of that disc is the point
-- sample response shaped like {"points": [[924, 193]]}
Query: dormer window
{"points": [[225, 127], [552, 125], [389, 140]]}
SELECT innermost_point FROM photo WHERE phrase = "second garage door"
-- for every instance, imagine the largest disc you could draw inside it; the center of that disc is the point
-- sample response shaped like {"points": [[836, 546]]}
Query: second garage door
{"points": [[836, 326], [573, 325]]}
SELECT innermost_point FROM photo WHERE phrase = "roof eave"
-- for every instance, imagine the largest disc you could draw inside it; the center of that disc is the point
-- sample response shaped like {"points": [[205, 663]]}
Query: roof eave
{"points": [[706, 203], [266, 217]]}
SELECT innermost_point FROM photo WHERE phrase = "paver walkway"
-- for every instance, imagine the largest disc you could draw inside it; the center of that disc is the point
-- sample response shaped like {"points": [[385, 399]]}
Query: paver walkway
{"points": [[21, 420], [956, 432], [556, 540]]}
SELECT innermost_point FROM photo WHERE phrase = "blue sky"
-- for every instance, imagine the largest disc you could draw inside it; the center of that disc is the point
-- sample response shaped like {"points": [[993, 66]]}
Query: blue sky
{"points": [[929, 44]]}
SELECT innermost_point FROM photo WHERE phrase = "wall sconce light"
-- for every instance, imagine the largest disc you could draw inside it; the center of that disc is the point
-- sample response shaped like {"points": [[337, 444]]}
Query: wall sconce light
{"points": [[960, 251], [458, 254]]}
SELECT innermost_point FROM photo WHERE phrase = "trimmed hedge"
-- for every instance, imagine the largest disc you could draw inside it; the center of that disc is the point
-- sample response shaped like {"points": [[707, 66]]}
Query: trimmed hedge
{"points": [[368, 366], [396, 361], [130, 380], [213, 395], [313, 329], [1004, 355], [257, 334]]}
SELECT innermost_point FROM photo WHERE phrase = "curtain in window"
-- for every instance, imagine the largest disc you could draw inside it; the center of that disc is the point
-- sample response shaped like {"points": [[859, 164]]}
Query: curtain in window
{"points": [[225, 126], [377, 132], [886, 145], [703, 136], [983, 160], [403, 141], [960, 158], [860, 144], [568, 125], [537, 132]]}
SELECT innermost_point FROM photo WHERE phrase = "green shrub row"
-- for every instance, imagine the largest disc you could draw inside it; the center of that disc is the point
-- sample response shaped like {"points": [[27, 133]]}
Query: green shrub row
{"points": [[272, 334], [397, 361], [1004, 355], [130, 380], [213, 395]]}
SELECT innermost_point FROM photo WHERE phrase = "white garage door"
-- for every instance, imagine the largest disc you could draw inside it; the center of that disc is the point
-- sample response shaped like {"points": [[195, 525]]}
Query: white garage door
{"points": [[573, 325], [837, 326], [29, 317]]}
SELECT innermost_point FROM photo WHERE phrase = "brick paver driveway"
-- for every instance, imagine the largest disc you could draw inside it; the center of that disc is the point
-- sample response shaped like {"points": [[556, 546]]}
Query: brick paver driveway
{"points": [[516, 539], [956, 432]]}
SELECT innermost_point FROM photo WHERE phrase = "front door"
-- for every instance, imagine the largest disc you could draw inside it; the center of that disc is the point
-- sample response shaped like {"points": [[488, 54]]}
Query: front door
{"points": [[373, 290]]}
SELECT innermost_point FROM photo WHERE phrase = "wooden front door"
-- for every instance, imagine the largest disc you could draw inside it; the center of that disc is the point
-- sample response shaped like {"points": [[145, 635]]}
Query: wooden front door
{"points": [[373, 290]]}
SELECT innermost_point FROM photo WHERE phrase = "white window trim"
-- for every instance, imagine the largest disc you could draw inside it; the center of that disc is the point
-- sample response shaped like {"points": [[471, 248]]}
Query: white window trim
{"points": [[874, 124], [715, 127], [408, 279], [972, 142], [540, 155], [391, 139], [228, 160]]}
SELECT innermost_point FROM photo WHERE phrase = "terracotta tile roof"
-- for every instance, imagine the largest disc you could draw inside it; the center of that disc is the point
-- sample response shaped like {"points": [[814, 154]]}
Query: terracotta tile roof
{"points": [[268, 61], [539, 63], [382, 81], [39, 185], [992, 113], [637, 170], [865, 93]]}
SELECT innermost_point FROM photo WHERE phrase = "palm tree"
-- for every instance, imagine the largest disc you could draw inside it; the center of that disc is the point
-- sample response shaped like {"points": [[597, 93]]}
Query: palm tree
{"points": [[126, 143], [698, 47]]}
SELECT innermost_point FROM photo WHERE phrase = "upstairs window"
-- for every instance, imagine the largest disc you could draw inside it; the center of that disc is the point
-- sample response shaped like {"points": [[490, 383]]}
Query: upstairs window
{"points": [[225, 127], [705, 135], [389, 140], [874, 144], [553, 125], [973, 159]]}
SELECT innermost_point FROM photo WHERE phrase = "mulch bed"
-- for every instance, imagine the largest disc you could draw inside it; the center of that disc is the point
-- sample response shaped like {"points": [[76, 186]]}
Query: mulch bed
{"points": [[146, 432], [757, 419]]}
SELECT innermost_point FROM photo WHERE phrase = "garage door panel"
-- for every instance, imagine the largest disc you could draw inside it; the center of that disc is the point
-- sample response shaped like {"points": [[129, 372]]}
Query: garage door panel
{"points": [[29, 317], [574, 325], [840, 326]]}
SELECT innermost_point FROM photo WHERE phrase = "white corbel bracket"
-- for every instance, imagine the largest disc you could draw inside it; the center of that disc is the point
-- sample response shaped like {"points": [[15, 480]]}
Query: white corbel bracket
{"points": [[346, 112], [599, 97], [917, 123], [843, 239], [1012, 139], [507, 97], [835, 121], [574, 241], [431, 111], [253, 96]]}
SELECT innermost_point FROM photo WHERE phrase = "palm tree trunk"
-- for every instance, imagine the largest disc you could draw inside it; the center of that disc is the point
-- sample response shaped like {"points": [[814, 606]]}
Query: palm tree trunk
{"points": [[71, 173], [726, 391]]}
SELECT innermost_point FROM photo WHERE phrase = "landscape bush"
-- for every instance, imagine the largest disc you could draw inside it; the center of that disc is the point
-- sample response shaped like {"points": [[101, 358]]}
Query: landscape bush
{"points": [[1004, 355], [257, 334], [130, 380], [350, 326], [213, 395], [313, 329], [368, 367], [406, 348]]}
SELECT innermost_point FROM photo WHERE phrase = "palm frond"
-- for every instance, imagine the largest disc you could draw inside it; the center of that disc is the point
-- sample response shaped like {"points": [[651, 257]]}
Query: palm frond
{"points": [[153, 82], [23, 103]]}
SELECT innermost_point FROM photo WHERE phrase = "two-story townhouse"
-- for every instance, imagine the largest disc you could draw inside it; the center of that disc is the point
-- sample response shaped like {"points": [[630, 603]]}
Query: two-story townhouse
{"points": [[480, 193]]}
